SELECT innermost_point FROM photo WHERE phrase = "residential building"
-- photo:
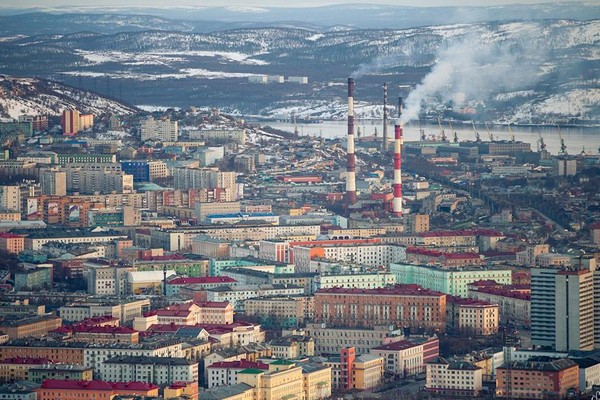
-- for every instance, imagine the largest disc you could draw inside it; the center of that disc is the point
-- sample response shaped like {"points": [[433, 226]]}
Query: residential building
{"points": [[331, 339], [562, 309], [83, 390], [211, 247], [37, 326], [163, 129], [206, 178], [11, 243], [187, 314], [288, 310], [224, 373], [538, 378], [145, 171], [457, 378], [355, 372], [204, 282], [237, 295], [451, 281], [471, 317], [73, 122], [33, 278], [53, 182], [40, 373], [157, 370], [17, 368], [219, 135], [125, 310], [408, 306], [360, 280], [407, 357], [99, 334], [35, 240], [514, 301], [10, 198]]}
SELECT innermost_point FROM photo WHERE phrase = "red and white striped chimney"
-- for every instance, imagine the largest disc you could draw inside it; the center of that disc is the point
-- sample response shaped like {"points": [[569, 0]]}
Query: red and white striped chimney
{"points": [[397, 202], [351, 160]]}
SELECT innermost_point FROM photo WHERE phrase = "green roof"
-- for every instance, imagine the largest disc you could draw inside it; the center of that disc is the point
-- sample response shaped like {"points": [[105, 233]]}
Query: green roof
{"points": [[282, 362], [253, 371]]}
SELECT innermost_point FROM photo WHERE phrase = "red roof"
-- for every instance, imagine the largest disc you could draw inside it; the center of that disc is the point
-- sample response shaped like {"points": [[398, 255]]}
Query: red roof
{"points": [[6, 235], [96, 385], [448, 233], [461, 301], [399, 345], [242, 364], [437, 253], [26, 360], [97, 320], [201, 279]]}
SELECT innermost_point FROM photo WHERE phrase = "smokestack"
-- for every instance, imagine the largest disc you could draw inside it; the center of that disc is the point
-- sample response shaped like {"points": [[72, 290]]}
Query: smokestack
{"points": [[385, 134], [397, 202], [351, 161]]}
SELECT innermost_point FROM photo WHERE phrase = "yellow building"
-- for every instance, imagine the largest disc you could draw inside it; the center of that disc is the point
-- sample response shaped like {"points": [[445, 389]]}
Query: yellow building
{"points": [[316, 381], [17, 368], [470, 316], [368, 371]]}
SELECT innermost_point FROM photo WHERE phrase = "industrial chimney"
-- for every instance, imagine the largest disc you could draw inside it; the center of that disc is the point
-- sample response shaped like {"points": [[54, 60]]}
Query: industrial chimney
{"points": [[397, 202], [384, 148], [351, 160]]}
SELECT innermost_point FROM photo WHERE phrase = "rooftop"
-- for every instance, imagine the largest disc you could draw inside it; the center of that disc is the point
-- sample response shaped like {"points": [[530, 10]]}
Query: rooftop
{"points": [[96, 385], [201, 279], [396, 290], [242, 364], [540, 364], [143, 360]]}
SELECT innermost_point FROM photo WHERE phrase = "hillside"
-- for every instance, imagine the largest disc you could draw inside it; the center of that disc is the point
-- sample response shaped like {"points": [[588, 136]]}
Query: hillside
{"points": [[521, 72], [20, 96]]}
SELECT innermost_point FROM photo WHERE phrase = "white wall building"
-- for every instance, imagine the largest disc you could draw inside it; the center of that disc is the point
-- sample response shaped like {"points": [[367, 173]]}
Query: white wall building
{"points": [[159, 129], [156, 370]]}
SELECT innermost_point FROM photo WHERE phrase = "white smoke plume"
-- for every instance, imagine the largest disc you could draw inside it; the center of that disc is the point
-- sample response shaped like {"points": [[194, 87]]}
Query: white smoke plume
{"points": [[471, 68]]}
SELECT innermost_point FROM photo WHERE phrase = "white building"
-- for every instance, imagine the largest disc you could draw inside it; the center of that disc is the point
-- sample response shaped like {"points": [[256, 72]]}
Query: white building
{"points": [[106, 280], [10, 198], [303, 80], [225, 373], [157, 370], [236, 295], [456, 378], [126, 311], [370, 254], [358, 280], [163, 129], [220, 135], [95, 356], [206, 178]]}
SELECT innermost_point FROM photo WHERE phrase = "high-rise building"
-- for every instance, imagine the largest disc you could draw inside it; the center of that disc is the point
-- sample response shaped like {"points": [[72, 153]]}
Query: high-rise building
{"points": [[562, 309], [205, 178], [53, 182], [10, 198], [159, 129], [73, 122]]}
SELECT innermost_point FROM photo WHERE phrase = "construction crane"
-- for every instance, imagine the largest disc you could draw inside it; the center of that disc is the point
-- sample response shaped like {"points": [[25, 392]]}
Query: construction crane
{"points": [[477, 137], [442, 132], [563, 146], [489, 132], [512, 135], [541, 144]]}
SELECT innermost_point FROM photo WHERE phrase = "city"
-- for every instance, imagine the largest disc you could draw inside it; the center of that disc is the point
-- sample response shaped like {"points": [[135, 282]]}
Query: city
{"points": [[200, 253]]}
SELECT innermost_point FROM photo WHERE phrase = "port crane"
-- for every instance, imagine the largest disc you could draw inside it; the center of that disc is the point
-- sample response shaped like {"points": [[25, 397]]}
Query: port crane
{"points": [[563, 146], [512, 135], [442, 132], [541, 144], [455, 133], [477, 137], [489, 132]]}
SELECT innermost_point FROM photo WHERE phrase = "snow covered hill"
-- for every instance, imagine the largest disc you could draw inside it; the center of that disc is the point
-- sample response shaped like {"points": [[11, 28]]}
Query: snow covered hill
{"points": [[19, 96]]}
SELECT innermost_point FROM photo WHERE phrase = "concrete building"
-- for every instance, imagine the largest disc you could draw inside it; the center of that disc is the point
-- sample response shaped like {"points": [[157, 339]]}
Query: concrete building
{"points": [[355, 372], [73, 122], [562, 309], [159, 129], [72, 372], [236, 218], [200, 282], [407, 357], [331, 339], [187, 314], [10, 198], [11, 243], [98, 178], [219, 135], [80, 390], [37, 326], [457, 378], [35, 279], [206, 178], [408, 306], [17, 369], [53, 182], [157, 370], [451, 281], [355, 280], [145, 171], [147, 282], [125, 310], [290, 311], [224, 373], [237, 295], [471, 317], [211, 247], [106, 280], [538, 379], [514, 301]]}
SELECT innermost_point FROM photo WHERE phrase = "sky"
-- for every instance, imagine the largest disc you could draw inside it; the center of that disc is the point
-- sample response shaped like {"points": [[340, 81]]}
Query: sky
{"points": [[252, 3]]}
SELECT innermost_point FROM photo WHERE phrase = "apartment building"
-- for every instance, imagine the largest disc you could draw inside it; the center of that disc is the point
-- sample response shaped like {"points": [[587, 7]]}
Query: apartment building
{"points": [[219, 135], [187, 314], [237, 295], [224, 373], [407, 357], [331, 339], [471, 317], [451, 281], [205, 282], [81, 390], [157, 370], [538, 378], [163, 130], [291, 311], [402, 305], [514, 301], [207, 178], [17, 369], [37, 326], [457, 378], [355, 372], [40, 373], [125, 310], [11, 243]]}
